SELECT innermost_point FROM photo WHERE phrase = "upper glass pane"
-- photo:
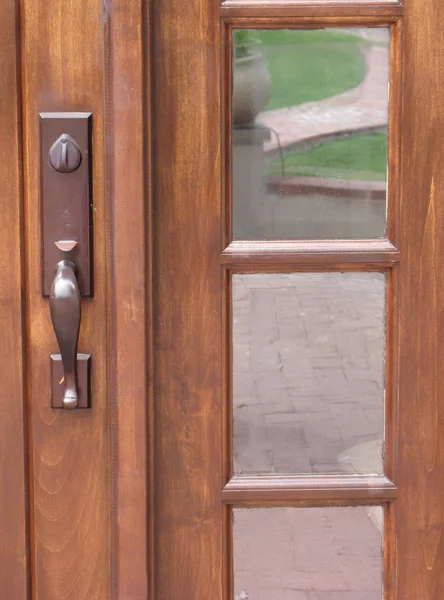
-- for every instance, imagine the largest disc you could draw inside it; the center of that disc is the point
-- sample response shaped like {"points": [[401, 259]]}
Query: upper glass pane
{"points": [[309, 139]]}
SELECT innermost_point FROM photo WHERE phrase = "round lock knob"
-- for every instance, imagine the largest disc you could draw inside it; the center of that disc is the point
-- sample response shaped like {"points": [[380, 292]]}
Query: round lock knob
{"points": [[65, 155]]}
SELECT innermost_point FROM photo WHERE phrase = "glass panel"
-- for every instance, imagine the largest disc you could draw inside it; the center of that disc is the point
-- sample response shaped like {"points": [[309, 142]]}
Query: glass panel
{"points": [[308, 553], [310, 112], [308, 372]]}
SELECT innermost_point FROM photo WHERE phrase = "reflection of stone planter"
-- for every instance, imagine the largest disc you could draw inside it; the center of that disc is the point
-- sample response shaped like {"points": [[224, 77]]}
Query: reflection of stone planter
{"points": [[251, 88]]}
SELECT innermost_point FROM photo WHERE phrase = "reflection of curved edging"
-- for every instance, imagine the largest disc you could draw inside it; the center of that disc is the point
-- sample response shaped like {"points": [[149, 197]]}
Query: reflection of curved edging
{"points": [[341, 188], [363, 106], [316, 140]]}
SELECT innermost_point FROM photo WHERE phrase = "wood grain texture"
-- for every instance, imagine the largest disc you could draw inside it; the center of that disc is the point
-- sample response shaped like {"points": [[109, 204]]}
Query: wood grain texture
{"points": [[128, 203], [419, 510], [187, 284], [14, 555], [69, 462], [62, 52]]}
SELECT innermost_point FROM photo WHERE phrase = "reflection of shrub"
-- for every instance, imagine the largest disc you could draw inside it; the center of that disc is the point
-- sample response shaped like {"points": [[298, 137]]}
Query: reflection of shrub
{"points": [[244, 40]]}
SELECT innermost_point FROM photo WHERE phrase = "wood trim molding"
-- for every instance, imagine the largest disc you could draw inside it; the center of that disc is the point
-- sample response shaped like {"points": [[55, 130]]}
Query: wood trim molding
{"points": [[358, 254], [127, 157], [347, 489], [308, 14], [14, 543]]}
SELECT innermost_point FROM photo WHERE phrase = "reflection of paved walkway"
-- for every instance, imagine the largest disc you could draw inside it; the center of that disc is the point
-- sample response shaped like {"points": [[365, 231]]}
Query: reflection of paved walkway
{"points": [[308, 398], [306, 554], [364, 106], [308, 355]]}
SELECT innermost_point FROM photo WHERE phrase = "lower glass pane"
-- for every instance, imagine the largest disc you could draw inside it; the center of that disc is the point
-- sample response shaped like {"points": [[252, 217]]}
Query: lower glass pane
{"points": [[308, 553]]}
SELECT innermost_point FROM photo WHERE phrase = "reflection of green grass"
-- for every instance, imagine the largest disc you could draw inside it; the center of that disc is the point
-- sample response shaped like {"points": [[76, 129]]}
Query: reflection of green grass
{"points": [[311, 65], [358, 157]]}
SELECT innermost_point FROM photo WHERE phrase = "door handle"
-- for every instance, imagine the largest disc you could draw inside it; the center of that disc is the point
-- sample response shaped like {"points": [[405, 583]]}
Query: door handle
{"points": [[65, 315], [66, 235]]}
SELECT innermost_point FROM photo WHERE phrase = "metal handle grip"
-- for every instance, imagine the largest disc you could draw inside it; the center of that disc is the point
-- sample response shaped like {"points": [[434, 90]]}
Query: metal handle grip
{"points": [[65, 316]]}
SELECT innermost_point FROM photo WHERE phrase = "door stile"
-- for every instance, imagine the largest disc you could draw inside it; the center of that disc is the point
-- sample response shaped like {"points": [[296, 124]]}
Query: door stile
{"points": [[419, 511], [187, 302]]}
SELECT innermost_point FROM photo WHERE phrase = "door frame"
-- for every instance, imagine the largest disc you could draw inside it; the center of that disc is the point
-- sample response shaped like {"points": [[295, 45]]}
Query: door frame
{"points": [[14, 515]]}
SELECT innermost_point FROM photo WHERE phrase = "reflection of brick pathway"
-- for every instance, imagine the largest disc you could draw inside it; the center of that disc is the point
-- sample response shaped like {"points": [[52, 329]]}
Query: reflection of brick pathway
{"points": [[308, 389], [308, 370], [363, 106], [306, 554]]}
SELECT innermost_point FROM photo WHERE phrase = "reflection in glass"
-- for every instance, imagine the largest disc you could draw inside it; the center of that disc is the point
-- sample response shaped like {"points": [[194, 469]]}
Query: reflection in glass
{"points": [[310, 112], [308, 372], [308, 553]]}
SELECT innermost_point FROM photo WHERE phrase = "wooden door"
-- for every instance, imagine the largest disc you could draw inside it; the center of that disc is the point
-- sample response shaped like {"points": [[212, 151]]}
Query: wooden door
{"points": [[266, 323]]}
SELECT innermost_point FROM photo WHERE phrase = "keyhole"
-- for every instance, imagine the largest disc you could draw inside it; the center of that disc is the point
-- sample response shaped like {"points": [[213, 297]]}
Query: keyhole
{"points": [[63, 162]]}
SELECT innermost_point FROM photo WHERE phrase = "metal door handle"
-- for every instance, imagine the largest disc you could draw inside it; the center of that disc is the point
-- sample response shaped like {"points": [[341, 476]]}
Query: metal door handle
{"points": [[65, 316]]}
